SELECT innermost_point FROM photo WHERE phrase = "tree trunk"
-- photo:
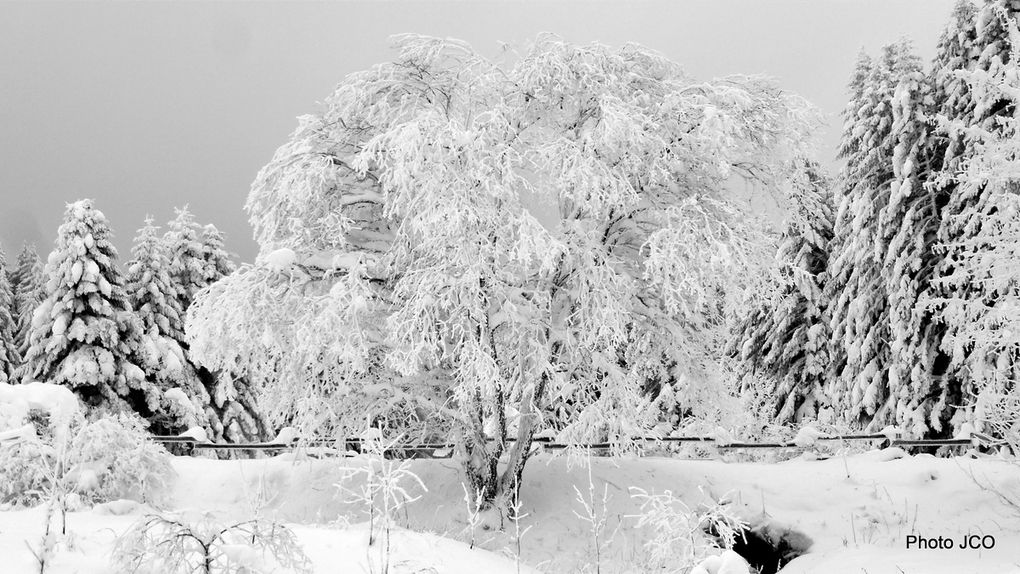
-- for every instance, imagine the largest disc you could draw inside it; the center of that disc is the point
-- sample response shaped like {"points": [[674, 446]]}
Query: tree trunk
{"points": [[489, 487]]}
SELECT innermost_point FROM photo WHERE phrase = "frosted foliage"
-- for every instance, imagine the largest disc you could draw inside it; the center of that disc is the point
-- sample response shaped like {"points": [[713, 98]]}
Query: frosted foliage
{"points": [[113, 458], [984, 319], [187, 266], [10, 358], [84, 334], [475, 244]]}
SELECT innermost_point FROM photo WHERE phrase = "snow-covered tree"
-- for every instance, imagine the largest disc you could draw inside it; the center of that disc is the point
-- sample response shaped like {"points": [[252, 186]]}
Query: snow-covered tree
{"points": [[456, 247], [29, 283], [10, 358], [979, 300], [197, 259], [150, 289], [185, 252], [857, 292], [153, 297], [218, 263], [84, 334], [788, 338]]}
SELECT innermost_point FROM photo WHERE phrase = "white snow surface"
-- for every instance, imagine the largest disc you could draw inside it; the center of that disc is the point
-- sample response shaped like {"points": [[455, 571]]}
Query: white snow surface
{"points": [[858, 510]]}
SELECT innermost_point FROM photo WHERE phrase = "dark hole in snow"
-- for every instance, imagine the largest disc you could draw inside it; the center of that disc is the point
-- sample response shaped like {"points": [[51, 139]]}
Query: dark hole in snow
{"points": [[768, 546]]}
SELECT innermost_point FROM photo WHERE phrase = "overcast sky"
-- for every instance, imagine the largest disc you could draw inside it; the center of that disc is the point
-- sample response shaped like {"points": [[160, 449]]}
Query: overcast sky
{"points": [[147, 106]]}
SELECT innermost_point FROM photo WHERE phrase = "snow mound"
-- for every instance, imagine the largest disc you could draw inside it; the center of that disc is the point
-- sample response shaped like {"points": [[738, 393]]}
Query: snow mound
{"points": [[286, 435], [807, 436], [729, 562], [281, 259], [197, 433], [56, 400]]}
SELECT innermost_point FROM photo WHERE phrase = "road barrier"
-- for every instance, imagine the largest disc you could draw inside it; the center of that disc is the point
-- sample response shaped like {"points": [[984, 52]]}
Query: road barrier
{"points": [[354, 444]]}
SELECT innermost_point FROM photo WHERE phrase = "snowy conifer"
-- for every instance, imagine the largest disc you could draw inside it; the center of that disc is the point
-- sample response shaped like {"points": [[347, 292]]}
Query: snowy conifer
{"points": [[185, 252], [217, 261], [978, 277], [788, 339], [467, 246], [10, 358], [858, 294], [150, 289], [30, 293], [84, 334], [153, 296]]}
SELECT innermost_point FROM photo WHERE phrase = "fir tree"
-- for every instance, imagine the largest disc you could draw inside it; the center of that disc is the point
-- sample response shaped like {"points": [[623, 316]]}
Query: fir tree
{"points": [[858, 295], [788, 339], [196, 259], [217, 261], [185, 253], [84, 334], [150, 288], [9, 356], [152, 295], [30, 293], [977, 234]]}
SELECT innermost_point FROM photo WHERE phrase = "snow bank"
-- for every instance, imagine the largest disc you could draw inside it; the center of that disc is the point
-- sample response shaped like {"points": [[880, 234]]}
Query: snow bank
{"points": [[16, 401]]}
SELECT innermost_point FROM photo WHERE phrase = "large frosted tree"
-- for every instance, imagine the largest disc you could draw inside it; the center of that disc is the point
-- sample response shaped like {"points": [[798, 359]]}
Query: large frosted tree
{"points": [[456, 247], [84, 334]]}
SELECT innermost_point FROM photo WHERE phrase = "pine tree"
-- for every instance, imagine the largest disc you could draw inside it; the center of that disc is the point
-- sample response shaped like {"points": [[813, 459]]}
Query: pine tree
{"points": [[84, 334], [858, 295], [233, 411], [185, 252], [217, 261], [30, 293], [788, 339], [978, 111], [150, 288], [152, 295], [198, 259], [10, 358]]}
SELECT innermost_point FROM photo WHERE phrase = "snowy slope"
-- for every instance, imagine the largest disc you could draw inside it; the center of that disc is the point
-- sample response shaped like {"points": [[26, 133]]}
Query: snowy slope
{"points": [[858, 511]]}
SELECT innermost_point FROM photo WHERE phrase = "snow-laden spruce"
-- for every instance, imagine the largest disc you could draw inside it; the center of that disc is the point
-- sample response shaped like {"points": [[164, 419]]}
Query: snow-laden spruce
{"points": [[152, 294], [29, 283], [84, 333], [787, 339], [858, 296], [475, 246], [185, 252], [10, 358], [222, 401], [980, 284]]}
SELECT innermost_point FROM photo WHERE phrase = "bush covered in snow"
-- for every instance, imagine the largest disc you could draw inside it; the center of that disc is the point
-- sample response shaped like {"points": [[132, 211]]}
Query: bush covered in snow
{"points": [[113, 458], [25, 471], [181, 545], [46, 444]]}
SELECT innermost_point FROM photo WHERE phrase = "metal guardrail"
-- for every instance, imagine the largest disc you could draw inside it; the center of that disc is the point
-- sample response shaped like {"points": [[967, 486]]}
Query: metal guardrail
{"points": [[977, 439]]}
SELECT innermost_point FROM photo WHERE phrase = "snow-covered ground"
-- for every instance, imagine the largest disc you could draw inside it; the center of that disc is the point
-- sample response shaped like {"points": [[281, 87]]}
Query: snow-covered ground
{"points": [[858, 511]]}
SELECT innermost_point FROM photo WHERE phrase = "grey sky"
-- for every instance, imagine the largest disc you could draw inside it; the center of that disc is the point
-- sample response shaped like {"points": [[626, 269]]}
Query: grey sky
{"points": [[146, 106]]}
